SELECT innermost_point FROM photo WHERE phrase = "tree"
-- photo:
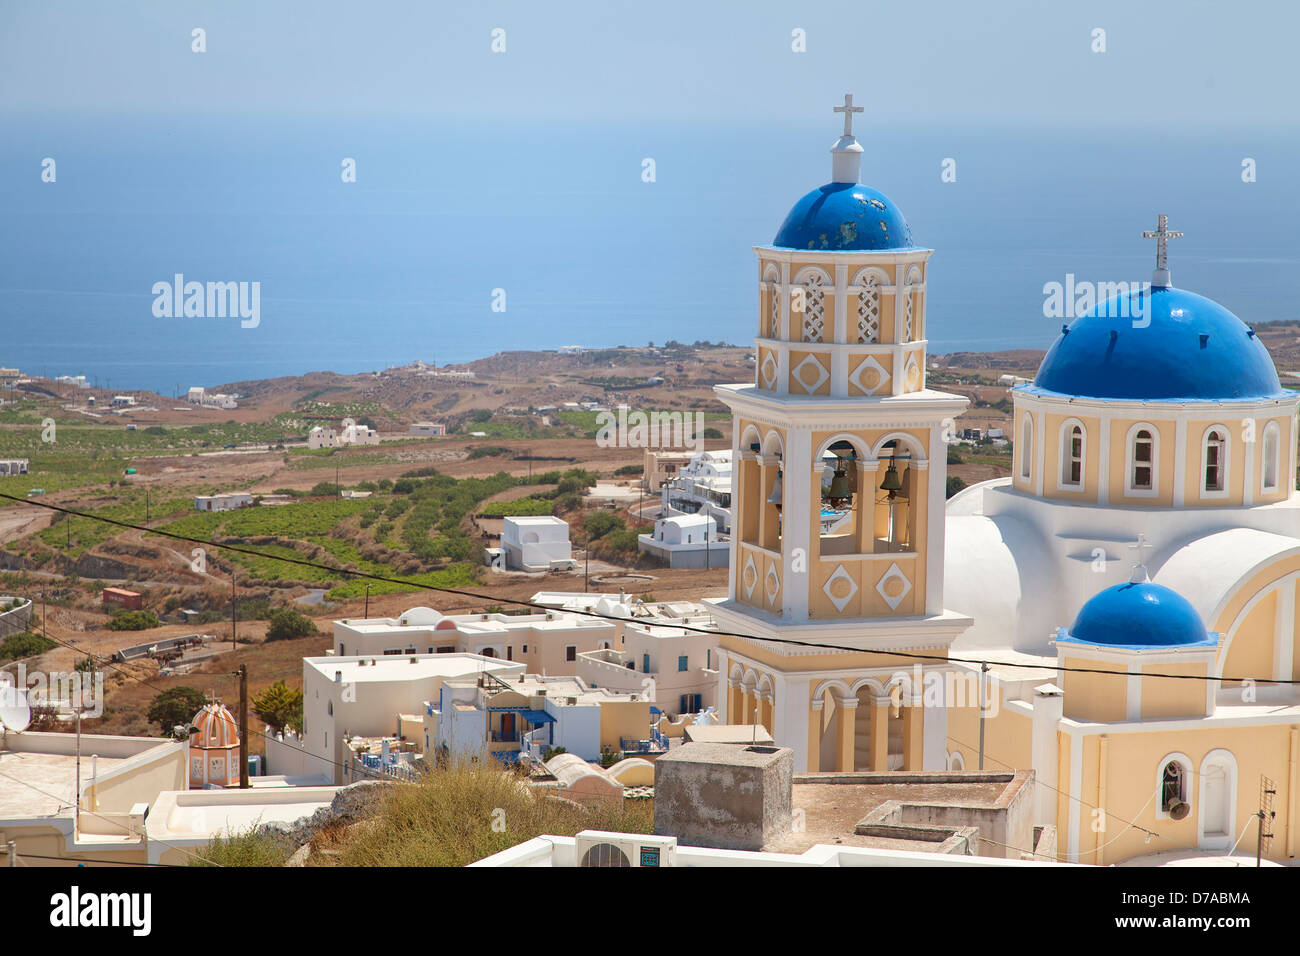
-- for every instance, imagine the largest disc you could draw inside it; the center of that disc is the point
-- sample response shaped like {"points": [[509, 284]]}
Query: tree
{"points": [[955, 484], [601, 523], [133, 621], [287, 624], [279, 706], [176, 705]]}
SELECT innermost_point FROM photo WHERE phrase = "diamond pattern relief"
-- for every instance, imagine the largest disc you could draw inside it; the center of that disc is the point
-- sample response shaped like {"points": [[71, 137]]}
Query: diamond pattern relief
{"points": [[769, 371], [771, 584], [810, 374], [840, 588], [893, 587], [749, 577], [870, 375], [912, 374]]}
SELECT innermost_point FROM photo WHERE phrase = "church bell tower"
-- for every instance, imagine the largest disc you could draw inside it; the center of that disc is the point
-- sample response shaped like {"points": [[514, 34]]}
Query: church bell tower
{"points": [[840, 478]]}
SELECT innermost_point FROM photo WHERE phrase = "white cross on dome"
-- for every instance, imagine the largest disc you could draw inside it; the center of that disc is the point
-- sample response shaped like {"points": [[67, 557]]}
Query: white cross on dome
{"points": [[848, 109]]}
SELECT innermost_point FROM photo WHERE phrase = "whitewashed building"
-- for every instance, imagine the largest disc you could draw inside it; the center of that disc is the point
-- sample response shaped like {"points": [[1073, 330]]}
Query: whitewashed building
{"points": [[536, 543], [686, 541]]}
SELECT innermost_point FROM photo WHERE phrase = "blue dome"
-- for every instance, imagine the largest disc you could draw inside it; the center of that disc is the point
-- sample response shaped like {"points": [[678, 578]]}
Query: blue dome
{"points": [[844, 217], [1193, 349], [1138, 614]]}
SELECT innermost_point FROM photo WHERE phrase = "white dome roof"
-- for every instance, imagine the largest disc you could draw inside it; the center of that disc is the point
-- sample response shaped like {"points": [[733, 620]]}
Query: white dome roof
{"points": [[421, 616]]}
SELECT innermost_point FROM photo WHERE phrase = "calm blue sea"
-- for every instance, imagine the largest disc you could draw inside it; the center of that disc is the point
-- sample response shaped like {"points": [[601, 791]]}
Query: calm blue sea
{"points": [[402, 264]]}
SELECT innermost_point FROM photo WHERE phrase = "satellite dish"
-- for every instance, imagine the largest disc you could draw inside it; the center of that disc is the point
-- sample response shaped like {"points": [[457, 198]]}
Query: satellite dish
{"points": [[15, 713], [1180, 810]]}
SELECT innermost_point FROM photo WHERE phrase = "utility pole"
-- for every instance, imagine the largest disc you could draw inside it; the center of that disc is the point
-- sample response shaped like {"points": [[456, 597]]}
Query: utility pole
{"points": [[586, 568], [13, 853], [76, 794], [243, 726], [234, 612], [983, 670], [367, 614]]}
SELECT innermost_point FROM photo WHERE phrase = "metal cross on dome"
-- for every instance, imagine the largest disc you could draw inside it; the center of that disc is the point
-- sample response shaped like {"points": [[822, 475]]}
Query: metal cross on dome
{"points": [[848, 109], [1161, 235], [1142, 545]]}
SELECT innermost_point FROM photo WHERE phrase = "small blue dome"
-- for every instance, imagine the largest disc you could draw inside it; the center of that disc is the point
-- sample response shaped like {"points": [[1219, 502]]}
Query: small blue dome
{"points": [[1138, 614], [844, 217], [1193, 349]]}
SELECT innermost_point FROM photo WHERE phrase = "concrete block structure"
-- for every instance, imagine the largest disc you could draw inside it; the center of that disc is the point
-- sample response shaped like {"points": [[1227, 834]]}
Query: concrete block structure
{"points": [[719, 795]]}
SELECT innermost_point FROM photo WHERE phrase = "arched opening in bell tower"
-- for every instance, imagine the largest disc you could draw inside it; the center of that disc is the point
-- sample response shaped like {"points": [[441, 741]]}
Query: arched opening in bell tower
{"points": [[896, 495]]}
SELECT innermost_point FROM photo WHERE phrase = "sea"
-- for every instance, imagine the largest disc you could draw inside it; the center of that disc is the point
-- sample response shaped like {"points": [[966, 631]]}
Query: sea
{"points": [[459, 239]]}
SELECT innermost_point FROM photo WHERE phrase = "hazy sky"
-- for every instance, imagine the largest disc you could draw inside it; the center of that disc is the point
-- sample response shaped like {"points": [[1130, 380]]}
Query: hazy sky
{"points": [[997, 62]]}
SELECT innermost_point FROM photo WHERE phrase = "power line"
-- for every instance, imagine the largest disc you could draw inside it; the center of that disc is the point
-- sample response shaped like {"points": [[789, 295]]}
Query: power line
{"points": [[365, 575]]}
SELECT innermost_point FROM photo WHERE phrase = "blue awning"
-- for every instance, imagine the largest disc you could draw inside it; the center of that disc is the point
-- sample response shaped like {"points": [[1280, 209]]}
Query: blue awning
{"points": [[538, 717], [655, 710]]}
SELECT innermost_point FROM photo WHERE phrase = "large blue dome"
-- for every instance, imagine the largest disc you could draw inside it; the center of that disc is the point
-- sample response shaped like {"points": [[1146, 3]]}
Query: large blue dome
{"points": [[844, 217], [1138, 614], [1193, 349]]}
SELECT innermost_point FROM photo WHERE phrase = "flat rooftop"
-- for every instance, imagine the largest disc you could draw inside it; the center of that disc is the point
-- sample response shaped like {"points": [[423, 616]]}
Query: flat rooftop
{"points": [[203, 814], [833, 810], [42, 785], [38, 771], [390, 667]]}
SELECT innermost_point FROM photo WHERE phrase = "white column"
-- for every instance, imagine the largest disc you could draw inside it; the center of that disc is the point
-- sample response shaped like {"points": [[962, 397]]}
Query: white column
{"points": [[1133, 692], [1103, 462], [1044, 755], [1180, 463], [1040, 450], [1284, 630], [783, 351], [936, 521], [791, 719], [796, 513], [1248, 451], [934, 748]]}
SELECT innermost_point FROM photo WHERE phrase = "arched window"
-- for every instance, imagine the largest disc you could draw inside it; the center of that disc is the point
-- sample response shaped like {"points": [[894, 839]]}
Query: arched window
{"points": [[1272, 444], [1173, 786], [814, 308], [869, 310], [843, 514], [1173, 780], [1026, 446], [1214, 462], [1141, 478], [1072, 455]]}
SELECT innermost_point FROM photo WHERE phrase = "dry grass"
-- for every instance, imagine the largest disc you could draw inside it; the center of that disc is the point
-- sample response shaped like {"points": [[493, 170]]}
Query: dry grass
{"points": [[467, 811]]}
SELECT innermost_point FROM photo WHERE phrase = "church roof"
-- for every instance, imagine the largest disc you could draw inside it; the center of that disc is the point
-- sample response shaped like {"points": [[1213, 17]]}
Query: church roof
{"points": [[1161, 344], [844, 217], [1210, 569], [1138, 614], [215, 728]]}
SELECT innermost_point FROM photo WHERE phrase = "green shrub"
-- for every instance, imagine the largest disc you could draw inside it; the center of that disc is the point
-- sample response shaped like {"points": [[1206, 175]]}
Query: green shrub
{"points": [[133, 621], [175, 705], [24, 645], [602, 523], [287, 624]]}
